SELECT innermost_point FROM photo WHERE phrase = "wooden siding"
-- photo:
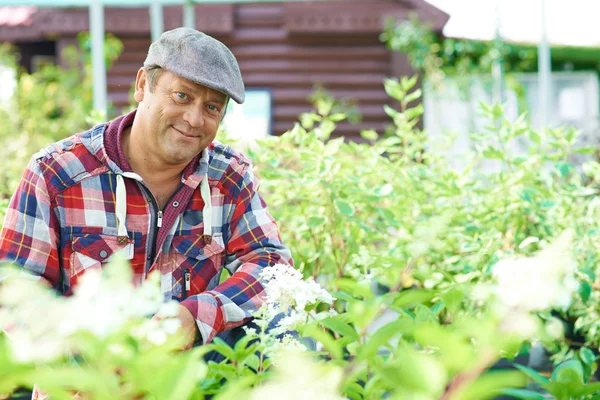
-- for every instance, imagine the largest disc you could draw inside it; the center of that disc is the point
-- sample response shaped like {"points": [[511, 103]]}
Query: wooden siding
{"points": [[285, 47]]}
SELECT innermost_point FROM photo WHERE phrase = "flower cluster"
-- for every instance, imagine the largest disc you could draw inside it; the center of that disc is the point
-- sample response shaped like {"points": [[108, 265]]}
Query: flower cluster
{"points": [[286, 287], [40, 324], [532, 284], [290, 302]]}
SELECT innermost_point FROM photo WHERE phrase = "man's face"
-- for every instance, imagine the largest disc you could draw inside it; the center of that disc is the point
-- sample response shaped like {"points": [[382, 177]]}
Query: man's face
{"points": [[178, 118]]}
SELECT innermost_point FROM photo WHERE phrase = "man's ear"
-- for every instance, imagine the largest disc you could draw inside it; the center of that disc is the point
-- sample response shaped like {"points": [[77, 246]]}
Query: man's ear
{"points": [[140, 85]]}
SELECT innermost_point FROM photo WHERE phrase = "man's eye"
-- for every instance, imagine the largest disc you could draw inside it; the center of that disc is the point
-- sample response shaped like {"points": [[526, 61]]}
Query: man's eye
{"points": [[213, 108], [182, 96]]}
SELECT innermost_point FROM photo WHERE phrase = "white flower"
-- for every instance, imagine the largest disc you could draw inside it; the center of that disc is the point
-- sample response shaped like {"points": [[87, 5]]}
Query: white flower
{"points": [[290, 294], [285, 344], [40, 324], [521, 324], [286, 287], [533, 284], [157, 331], [291, 321], [538, 283], [26, 349], [168, 310]]}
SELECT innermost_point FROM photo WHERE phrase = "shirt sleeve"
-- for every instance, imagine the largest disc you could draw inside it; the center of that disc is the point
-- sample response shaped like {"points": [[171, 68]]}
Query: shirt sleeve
{"points": [[254, 244], [29, 236]]}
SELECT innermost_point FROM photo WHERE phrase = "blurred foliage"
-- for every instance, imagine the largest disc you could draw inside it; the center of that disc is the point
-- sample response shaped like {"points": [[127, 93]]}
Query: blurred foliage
{"points": [[436, 57], [391, 228], [48, 105]]}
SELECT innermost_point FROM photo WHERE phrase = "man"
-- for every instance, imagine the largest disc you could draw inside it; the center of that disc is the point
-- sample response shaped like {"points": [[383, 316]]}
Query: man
{"points": [[155, 186]]}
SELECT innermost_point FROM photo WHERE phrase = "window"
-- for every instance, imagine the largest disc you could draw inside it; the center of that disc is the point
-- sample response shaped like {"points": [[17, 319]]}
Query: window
{"points": [[251, 120]]}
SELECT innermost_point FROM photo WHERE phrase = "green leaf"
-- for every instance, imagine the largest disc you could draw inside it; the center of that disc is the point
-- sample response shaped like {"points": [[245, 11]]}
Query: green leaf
{"points": [[416, 371], [528, 241], [493, 153], [384, 190], [412, 297], [498, 110], [453, 299], [359, 290], [589, 272], [252, 361], [585, 291], [570, 371], [414, 112], [413, 96], [343, 296], [488, 385], [393, 89], [564, 168], [587, 356], [369, 134], [340, 327], [324, 106], [220, 346], [523, 394], [382, 337], [590, 388], [344, 207], [225, 370], [328, 342], [315, 221], [532, 374], [337, 117], [408, 83], [585, 150], [392, 113], [527, 194]]}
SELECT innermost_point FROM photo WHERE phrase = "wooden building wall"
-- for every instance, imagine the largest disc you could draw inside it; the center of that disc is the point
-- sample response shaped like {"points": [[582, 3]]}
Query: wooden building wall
{"points": [[285, 47]]}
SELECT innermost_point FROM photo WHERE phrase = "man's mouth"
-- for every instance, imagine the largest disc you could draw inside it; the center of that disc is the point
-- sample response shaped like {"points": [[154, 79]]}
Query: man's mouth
{"points": [[186, 134]]}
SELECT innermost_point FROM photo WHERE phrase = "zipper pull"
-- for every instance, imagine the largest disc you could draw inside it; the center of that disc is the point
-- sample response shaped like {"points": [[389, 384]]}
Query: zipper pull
{"points": [[159, 220], [187, 277]]}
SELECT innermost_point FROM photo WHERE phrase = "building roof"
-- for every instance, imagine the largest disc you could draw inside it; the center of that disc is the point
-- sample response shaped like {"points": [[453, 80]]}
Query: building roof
{"points": [[568, 23], [31, 23], [17, 16]]}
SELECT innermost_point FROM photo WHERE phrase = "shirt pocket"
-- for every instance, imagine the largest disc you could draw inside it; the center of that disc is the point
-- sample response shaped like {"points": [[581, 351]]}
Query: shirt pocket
{"points": [[90, 251], [198, 263]]}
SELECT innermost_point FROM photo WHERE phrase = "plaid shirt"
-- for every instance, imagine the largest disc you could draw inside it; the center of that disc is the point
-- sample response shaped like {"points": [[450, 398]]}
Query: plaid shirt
{"points": [[61, 222]]}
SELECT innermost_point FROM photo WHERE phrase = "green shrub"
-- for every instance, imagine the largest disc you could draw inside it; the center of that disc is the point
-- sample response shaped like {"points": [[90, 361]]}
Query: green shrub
{"points": [[48, 105], [392, 230]]}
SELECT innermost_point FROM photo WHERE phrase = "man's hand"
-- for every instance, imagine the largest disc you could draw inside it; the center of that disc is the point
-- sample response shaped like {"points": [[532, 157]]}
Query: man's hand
{"points": [[189, 330]]}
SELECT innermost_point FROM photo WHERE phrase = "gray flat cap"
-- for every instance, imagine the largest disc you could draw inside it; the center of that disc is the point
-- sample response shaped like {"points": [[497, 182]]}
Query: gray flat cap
{"points": [[199, 58]]}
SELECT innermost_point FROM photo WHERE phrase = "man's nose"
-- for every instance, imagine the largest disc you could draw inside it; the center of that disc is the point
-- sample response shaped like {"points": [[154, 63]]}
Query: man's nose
{"points": [[194, 117]]}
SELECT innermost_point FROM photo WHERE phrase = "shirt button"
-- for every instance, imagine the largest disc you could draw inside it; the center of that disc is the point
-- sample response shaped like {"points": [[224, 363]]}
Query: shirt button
{"points": [[103, 253], [67, 144], [175, 204]]}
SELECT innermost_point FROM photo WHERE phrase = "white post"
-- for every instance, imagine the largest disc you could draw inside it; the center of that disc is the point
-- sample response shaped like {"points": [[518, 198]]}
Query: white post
{"points": [[96, 14], [497, 65], [189, 15], [156, 20], [544, 73]]}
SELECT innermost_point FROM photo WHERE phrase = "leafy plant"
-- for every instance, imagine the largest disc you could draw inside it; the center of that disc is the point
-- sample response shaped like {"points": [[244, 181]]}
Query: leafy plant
{"points": [[422, 259], [49, 105]]}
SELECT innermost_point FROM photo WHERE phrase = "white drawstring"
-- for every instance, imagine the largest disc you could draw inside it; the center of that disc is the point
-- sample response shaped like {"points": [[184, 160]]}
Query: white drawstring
{"points": [[207, 211], [121, 206]]}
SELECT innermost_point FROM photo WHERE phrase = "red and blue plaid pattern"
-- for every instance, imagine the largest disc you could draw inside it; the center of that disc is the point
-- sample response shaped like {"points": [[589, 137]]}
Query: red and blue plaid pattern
{"points": [[61, 222]]}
